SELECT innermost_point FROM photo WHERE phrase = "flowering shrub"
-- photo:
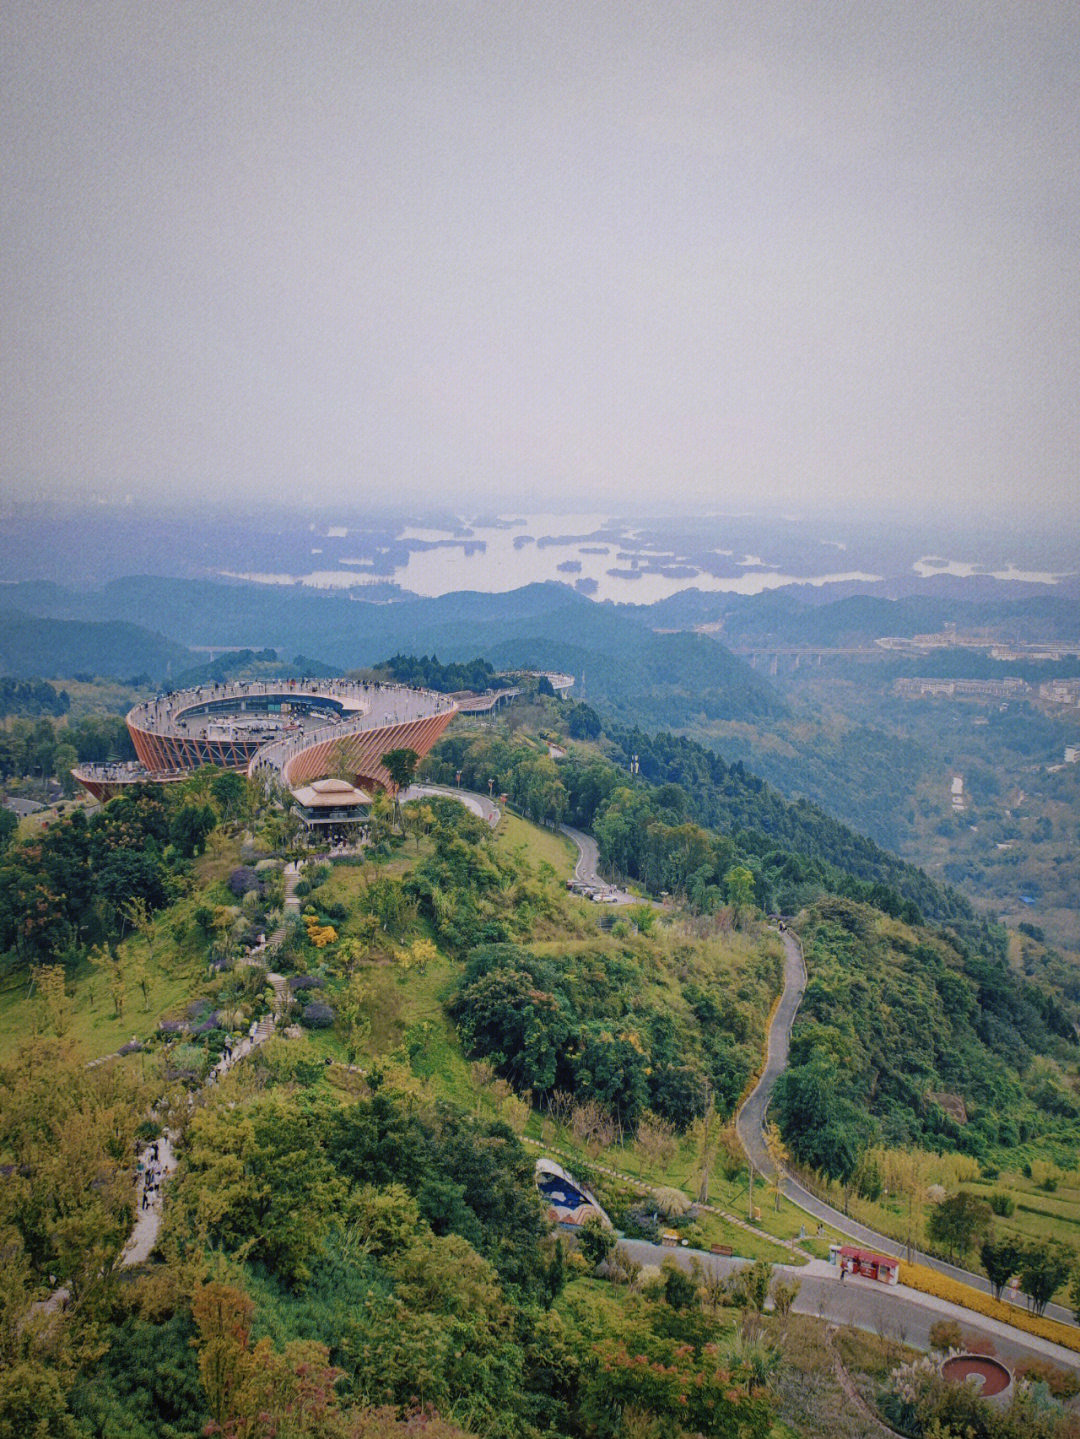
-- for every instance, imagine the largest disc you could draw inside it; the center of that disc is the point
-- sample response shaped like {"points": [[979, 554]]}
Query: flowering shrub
{"points": [[929, 1281], [320, 935], [698, 1393]]}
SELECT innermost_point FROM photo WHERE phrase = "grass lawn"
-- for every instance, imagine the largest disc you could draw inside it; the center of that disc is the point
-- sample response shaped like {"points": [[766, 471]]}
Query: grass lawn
{"points": [[175, 974], [100, 696], [682, 1174], [92, 1019], [536, 845]]}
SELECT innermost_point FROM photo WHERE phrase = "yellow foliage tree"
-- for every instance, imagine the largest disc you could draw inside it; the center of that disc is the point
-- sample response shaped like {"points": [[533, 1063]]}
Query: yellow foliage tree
{"points": [[417, 956], [778, 1153], [49, 979], [320, 935]]}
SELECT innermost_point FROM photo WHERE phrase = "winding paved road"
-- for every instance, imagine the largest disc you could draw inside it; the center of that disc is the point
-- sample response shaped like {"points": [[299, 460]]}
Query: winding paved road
{"points": [[587, 869], [750, 1123], [893, 1312], [480, 804], [750, 1120]]}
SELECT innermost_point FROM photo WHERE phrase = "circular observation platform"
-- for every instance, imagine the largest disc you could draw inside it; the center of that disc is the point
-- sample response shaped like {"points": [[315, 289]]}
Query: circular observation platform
{"points": [[292, 730]]}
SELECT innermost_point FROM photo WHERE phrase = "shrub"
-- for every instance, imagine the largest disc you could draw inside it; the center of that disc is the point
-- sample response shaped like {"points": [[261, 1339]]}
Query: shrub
{"points": [[1002, 1203], [306, 981], [1062, 1383], [187, 1061], [595, 1240], [979, 1344], [241, 881], [945, 1334], [318, 1016], [1045, 1175], [785, 1295], [640, 1223], [320, 935]]}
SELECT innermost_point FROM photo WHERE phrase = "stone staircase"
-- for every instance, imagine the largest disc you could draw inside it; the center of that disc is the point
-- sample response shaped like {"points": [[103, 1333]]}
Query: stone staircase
{"points": [[278, 983]]}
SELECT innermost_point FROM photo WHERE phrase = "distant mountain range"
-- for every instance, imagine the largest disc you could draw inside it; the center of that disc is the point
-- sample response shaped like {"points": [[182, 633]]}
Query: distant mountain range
{"points": [[637, 673], [808, 615], [645, 663]]}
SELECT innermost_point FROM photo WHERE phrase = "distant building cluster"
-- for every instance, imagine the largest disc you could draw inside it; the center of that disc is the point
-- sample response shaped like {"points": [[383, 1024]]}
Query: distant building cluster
{"points": [[1060, 692], [949, 638], [1008, 688]]}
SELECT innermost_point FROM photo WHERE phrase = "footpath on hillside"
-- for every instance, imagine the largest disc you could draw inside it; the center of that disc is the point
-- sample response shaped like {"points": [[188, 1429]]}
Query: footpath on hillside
{"points": [[159, 1154]]}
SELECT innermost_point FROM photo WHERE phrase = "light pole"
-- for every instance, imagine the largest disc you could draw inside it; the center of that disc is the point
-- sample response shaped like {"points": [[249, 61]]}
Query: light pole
{"points": [[458, 778]]}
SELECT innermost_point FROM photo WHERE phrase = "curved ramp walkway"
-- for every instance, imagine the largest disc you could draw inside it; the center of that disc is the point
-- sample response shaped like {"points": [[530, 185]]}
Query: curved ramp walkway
{"points": [[750, 1124]]}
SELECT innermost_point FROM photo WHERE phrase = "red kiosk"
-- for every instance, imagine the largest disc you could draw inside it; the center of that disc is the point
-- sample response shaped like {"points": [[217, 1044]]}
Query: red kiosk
{"points": [[881, 1267]]}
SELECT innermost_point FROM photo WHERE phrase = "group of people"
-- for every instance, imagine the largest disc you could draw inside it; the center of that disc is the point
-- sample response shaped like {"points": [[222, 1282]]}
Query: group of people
{"points": [[152, 1173], [228, 1054]]}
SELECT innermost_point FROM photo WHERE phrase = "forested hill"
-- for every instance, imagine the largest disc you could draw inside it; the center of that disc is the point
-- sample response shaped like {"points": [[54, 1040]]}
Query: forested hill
{"points": [[731, 799], [31, 646], [893, 1018], [803, 616], [639, 675], [685, 818]]}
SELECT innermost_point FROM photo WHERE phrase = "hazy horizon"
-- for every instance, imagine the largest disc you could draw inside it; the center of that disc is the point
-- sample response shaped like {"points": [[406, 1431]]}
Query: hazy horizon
{"points": [[629, 557], [698, 257]]}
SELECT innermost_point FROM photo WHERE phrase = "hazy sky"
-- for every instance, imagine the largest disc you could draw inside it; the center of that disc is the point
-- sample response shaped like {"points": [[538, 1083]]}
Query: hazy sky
{"points": [[733, 254]]}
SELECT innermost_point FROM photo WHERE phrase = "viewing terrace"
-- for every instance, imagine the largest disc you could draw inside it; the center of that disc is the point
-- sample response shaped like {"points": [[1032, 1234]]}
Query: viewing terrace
{"points": [[297, 729], [395, 717]]}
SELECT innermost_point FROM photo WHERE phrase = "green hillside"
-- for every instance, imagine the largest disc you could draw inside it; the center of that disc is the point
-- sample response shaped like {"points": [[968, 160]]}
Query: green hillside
{"points": [[33, 646], [639, 674], [794, 849], [354, 1220]]}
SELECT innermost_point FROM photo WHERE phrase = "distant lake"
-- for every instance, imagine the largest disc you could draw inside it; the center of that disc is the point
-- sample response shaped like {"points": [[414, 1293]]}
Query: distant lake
{"points": [[596, 555]]}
